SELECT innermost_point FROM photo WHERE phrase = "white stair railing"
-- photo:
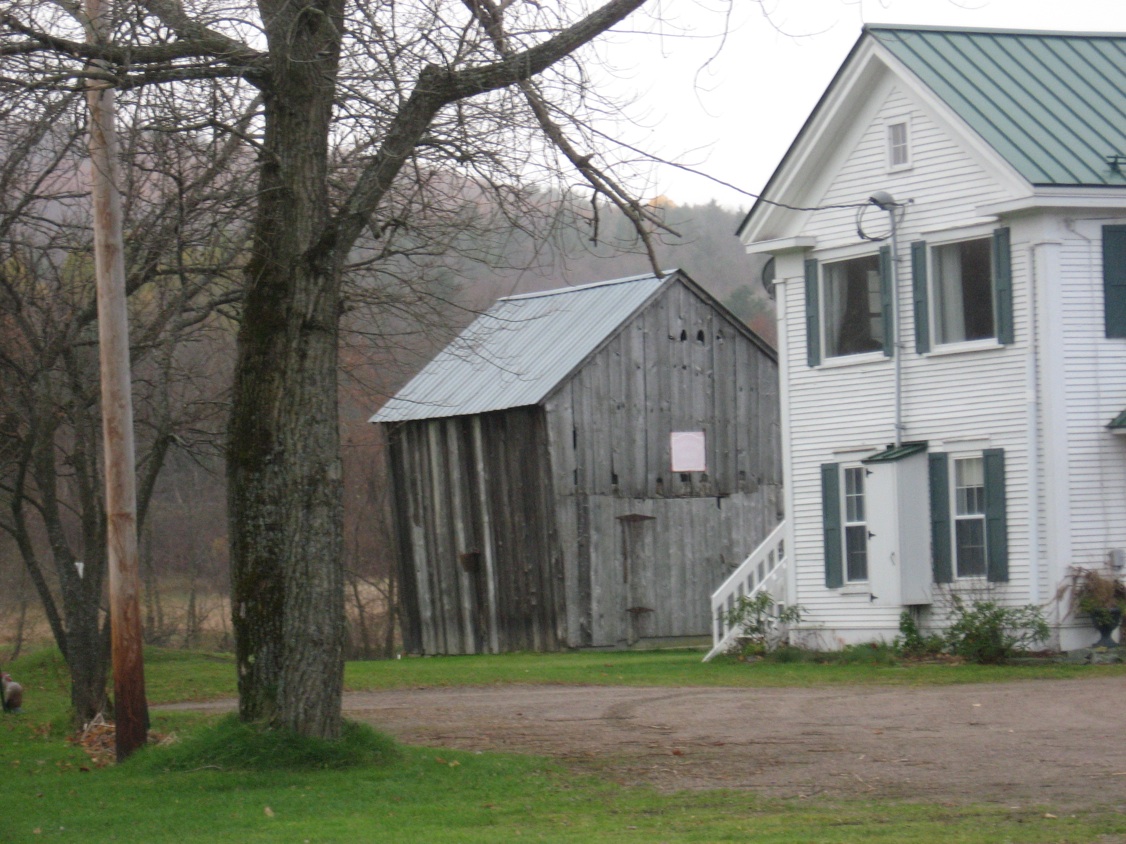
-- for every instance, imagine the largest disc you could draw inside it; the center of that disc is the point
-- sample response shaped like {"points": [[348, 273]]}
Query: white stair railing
{"points": [[763, 570]]}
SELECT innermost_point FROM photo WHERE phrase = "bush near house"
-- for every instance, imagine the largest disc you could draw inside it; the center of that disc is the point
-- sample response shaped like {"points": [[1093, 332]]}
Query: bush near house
{"points": [[986, 632]]}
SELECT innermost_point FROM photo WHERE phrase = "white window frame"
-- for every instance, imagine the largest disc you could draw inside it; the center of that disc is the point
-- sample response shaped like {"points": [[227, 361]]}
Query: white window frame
{"points": [[823, 318], [934, 303], [890, 145], [956, 517], [861, 523]]}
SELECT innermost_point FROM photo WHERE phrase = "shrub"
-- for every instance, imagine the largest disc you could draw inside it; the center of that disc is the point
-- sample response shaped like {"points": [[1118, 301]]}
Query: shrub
{"points": [[1097, 594], [912, 643], [231, 744], [985, 632], [761, 623]]}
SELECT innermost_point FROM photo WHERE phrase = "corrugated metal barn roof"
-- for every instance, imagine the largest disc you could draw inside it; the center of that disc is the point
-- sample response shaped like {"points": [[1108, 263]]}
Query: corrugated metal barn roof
{"points": [[1051, 104], [515, 353]]}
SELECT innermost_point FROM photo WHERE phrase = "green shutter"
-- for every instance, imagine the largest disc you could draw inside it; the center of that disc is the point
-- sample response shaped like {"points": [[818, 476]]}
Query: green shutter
{"points": [[887, 288], [1114, 280], [1003, 286], [941, 557], [831, 520], [812, 314], [996, 532], [919, 291]]}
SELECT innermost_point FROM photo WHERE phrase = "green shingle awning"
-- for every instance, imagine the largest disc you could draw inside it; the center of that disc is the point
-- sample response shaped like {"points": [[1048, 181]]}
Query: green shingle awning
{"points": [[896, 452], [1118, 423]]}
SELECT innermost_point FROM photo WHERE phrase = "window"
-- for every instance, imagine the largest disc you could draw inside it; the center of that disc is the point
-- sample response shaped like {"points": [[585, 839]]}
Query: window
{"points": [[899, 151], [968, 520], [1114, 280], [848, 307], [844, 519], [969, 517], [969, 293], [963, 291], [853, 307], [856, 525]]}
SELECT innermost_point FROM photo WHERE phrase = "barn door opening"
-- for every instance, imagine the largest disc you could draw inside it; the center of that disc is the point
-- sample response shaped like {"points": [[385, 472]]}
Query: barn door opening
{"points": [[637, 575]]}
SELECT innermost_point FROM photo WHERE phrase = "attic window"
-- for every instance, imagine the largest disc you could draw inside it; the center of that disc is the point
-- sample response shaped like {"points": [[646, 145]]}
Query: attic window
{"points": [[899, 146]]}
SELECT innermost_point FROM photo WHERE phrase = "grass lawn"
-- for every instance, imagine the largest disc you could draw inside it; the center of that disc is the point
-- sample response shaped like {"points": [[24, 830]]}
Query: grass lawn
{"points": [[186, 675], [52, 791]]}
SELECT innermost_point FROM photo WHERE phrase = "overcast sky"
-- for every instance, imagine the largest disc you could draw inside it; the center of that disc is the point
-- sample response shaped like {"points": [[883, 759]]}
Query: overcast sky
{"points": [[735, 115]]}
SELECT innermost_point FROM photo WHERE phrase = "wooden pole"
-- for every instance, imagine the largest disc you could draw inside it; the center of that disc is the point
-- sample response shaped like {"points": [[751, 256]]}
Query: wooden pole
{"points": [[130, 708]]}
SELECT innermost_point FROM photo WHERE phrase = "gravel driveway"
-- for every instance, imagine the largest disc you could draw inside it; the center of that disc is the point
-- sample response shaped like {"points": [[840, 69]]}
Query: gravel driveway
{"points": [[1054, 742]]}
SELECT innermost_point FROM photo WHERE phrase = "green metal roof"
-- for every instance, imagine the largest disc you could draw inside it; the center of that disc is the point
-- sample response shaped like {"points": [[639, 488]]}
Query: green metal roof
{"points": [[1051, 103], [896, 452]]}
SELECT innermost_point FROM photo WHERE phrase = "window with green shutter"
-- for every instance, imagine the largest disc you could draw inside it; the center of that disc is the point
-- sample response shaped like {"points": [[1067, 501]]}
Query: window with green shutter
{"points": [[919, 295], [996, 524], [1114, 280], [812, 314], [848, 307], [969, 534], [1003, 285], [831, 524], [940, 518], [964, 292], [887, 292], [845, 522]]}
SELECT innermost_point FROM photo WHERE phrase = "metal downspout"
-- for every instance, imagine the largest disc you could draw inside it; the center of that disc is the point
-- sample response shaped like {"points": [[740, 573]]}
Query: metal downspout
{"points": [[1033, 411]]}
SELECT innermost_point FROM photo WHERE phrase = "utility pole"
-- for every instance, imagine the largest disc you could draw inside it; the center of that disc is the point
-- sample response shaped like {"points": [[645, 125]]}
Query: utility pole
{"points": [[130, 708]]}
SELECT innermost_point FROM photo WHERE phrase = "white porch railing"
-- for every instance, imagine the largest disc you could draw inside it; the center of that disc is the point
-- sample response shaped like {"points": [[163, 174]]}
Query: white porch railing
{"points": [[765, 570]]}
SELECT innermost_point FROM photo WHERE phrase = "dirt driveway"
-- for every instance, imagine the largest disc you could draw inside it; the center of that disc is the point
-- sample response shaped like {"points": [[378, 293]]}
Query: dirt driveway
{"points": [[1058, 743]]}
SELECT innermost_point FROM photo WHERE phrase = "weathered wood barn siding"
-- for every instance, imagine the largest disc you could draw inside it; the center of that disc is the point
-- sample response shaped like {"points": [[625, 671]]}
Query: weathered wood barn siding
{"points": [[479, 559], [644, 547], [560, 523]]}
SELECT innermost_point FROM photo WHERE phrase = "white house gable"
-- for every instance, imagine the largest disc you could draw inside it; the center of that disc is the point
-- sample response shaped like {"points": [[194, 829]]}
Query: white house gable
{"points": [[972, 341]]}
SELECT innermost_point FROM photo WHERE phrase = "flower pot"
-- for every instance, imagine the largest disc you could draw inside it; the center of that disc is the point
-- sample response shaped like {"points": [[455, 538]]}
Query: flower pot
{"points": [[1106, 621]]}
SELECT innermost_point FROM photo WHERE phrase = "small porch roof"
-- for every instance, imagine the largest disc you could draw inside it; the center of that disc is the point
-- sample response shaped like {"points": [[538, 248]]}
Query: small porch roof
{"points": [[896, 452]]}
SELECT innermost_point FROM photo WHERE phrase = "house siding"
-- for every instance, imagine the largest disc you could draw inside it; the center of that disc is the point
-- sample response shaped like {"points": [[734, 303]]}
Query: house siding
{"points": [[974, 398], [1094, 381], [1043, 394]]}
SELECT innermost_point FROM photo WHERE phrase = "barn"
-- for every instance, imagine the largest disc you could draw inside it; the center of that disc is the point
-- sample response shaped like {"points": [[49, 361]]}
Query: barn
{"points": [[581, 468]]}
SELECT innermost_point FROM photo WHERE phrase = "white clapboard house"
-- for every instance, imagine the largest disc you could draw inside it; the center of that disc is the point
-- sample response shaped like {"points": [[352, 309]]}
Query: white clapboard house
{"points": [[948, 234]]}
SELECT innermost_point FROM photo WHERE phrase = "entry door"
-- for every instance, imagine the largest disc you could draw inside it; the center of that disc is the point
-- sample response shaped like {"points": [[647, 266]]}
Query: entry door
{"points": [[883, 535]]}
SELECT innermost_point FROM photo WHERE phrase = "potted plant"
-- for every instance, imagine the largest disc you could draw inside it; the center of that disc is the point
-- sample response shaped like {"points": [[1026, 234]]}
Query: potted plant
{"points": [[1101, 596]]}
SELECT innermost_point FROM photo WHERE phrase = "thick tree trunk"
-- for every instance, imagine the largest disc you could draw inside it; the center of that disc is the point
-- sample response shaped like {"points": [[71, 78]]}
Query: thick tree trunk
{"points": [[285, 491], [283, 463]]}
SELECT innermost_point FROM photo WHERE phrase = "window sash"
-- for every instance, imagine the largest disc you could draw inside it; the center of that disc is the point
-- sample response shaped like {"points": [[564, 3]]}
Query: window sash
{"points": [[855, 525], [853, 307], [899, 151], [971, 557], [963, 291]]}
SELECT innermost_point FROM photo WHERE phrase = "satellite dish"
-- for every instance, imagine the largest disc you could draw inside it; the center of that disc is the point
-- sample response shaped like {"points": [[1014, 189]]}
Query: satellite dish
{"points": [[768, 278]]}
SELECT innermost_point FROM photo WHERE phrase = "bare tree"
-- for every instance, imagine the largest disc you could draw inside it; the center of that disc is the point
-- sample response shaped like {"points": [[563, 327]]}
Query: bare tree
{"points": [[364, 107], [49, 433]]}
